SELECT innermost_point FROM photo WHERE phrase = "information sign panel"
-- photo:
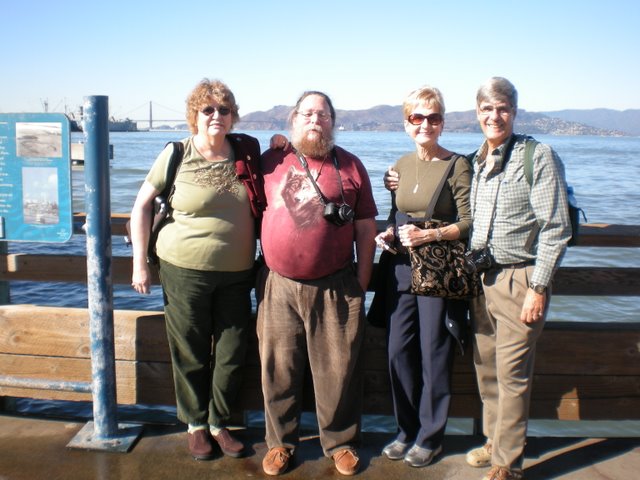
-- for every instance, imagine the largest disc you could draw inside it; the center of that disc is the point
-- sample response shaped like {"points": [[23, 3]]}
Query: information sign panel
{"points": [[35, 177]]}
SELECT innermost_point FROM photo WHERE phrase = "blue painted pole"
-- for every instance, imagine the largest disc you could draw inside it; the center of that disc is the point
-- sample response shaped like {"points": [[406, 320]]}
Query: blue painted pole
{"points": [[99, 265]]}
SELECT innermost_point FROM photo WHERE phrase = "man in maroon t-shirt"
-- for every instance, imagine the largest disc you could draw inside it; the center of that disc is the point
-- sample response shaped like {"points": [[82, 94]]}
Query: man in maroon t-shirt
{"points": [[319, 204]]}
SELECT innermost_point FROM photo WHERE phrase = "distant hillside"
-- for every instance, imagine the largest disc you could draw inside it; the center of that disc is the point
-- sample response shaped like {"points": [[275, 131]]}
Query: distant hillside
{"points": [[388, 118], [627, 121]]}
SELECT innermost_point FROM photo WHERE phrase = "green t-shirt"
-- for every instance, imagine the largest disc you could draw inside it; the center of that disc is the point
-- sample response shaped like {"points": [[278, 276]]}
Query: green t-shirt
{"points": [[211, 227]]}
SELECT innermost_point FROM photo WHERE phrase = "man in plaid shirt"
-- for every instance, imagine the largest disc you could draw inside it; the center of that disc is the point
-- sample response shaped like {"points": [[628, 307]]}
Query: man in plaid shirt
{"points": [[525, 227]]}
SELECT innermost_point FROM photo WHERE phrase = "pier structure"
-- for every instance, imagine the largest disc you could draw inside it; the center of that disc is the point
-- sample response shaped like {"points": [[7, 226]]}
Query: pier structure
{"points": [[584, 370]]}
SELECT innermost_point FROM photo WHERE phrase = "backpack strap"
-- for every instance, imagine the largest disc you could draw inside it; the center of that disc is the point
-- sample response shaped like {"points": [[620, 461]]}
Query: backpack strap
{"points": [[529, 147], [172, 169]]}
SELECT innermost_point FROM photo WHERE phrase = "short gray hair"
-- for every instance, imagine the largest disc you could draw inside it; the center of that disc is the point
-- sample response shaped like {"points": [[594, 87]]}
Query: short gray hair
{"points": [[308, 93], [498, 89]]}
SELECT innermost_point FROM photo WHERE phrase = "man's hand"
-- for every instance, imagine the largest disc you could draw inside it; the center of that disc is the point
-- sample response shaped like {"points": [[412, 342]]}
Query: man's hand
{"points": [[278, 141], [533, 307]]}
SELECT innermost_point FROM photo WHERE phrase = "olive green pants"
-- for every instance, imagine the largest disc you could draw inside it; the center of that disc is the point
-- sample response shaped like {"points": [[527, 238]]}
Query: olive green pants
{"points": [[207, 316]]}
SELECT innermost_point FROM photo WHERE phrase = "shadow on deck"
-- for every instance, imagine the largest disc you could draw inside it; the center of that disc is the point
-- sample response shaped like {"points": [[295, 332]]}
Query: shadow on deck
{"points": [[34, 448]]}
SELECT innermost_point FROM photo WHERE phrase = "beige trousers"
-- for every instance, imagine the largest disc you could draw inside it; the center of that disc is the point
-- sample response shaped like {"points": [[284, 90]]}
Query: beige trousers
{"points": [[504, 353]]}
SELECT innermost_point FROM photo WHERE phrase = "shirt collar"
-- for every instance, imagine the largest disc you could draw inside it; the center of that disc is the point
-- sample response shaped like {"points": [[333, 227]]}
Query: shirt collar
{"points": [[492, 160]]}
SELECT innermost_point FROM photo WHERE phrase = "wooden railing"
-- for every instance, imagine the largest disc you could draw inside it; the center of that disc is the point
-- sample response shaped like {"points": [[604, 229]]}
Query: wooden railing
{"points": [[584, 370]]}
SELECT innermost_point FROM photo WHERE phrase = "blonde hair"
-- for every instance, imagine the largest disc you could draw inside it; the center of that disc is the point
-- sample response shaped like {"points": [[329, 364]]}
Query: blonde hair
{"points": [[426, 94]]}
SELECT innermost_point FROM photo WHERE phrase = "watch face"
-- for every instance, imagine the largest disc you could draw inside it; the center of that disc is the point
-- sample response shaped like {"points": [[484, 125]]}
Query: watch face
{"points": [[538, 288]]}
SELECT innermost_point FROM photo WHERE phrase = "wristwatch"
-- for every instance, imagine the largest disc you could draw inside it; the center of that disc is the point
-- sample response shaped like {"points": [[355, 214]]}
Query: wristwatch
{"points": [[536, 287]]}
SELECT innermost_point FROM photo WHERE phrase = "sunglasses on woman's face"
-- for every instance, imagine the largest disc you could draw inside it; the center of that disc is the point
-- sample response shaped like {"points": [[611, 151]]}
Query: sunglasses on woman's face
{"points": [[433, 119], [211, 110]]}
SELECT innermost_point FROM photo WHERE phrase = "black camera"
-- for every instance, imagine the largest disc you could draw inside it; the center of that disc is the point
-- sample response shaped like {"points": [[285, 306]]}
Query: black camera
{"points": [[479, 260], [338, 214]]}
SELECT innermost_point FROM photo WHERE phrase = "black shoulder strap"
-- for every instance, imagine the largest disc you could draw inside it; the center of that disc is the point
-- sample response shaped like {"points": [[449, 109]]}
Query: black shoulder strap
{"points": [[436, 194], [172, 168]]}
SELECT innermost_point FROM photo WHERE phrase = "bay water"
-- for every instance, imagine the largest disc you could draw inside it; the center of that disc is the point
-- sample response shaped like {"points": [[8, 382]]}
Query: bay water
{"points": [[604, 171]]}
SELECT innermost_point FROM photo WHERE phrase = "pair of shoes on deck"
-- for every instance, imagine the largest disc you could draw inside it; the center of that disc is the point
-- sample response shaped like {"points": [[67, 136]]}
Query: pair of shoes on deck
{"points": [[200, 443], [481, 457], [414, 456], [276, 461]]}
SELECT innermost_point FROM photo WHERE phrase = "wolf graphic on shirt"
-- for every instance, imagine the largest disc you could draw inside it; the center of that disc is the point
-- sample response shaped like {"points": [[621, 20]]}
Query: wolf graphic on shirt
{"points": [[301, 199]]}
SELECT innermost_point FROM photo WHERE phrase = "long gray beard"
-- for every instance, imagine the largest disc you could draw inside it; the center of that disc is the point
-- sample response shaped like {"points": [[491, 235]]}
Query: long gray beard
{"points": [[316, 148]]}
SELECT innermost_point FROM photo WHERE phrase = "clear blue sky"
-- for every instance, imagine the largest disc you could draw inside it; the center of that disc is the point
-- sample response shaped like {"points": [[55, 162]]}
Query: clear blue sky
{"points": [[560, 54]]}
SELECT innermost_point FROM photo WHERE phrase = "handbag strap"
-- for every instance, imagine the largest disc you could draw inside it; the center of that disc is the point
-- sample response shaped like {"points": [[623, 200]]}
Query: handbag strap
{"points": [[436, 194]]}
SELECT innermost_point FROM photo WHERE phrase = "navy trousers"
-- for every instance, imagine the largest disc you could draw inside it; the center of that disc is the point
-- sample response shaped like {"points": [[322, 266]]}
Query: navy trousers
{"points": [[420, 356]]}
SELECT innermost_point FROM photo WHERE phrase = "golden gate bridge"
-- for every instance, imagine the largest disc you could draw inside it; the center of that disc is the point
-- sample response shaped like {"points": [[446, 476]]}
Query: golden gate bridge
{"points": [[166, 115]]}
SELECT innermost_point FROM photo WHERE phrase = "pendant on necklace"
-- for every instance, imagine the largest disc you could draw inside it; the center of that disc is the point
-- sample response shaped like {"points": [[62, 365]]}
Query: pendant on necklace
{"points": [[415, 189]]}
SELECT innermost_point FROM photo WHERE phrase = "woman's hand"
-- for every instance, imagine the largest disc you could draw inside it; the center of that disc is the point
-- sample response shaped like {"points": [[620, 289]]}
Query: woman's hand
{"points": [[141, 277], [140, 231], [412, 236]]}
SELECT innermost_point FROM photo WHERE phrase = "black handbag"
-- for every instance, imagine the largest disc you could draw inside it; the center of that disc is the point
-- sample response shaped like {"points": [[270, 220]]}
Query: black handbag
{"points": [[378, 310], [438, 268]]}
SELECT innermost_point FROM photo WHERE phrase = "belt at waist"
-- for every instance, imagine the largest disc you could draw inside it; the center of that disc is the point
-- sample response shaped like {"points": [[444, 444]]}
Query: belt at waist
{"points": [[515, 265]]}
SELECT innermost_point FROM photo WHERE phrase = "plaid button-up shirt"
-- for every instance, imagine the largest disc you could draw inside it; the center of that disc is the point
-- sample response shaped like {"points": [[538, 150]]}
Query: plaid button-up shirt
{"points": [[531, 223]]}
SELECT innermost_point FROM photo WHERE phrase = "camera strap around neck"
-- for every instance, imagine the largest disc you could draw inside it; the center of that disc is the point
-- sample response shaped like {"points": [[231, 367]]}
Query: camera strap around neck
{"points": [[305, 164], [506, 158]]}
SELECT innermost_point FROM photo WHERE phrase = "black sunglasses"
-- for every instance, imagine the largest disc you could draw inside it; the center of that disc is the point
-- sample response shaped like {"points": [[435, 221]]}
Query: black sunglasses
{"points": [[434, 119], [221, 110]]}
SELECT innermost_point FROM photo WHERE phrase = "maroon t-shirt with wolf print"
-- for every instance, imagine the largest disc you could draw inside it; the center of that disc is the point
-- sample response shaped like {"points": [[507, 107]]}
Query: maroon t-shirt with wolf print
{"points": [[297, 241]]}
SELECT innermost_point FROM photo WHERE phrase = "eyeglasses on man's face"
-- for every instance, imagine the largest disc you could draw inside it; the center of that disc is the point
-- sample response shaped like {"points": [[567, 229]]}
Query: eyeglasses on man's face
{"points": [[209, 110], [308, 114], [503, 110], [433, 119]]}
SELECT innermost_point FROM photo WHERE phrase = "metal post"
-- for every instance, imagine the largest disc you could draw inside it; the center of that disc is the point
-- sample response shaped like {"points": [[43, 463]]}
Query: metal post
{"points": [[5, 297], [103, 434], [99, 281]]}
